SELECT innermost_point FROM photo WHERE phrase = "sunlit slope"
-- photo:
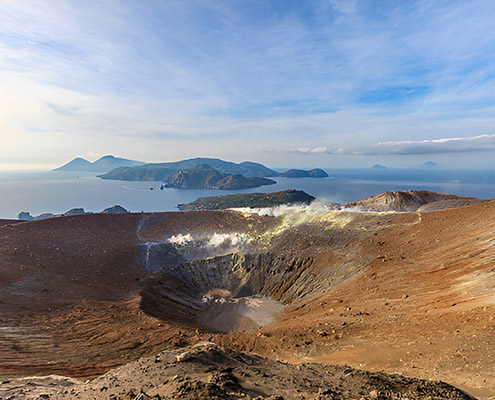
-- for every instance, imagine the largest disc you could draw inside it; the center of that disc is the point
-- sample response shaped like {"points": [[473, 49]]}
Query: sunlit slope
{"points": [[70, 288], [422, 305], [403, 292], [412, 200]]}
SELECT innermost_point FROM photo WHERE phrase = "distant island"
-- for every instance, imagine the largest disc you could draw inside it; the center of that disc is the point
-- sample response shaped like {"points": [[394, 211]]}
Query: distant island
{"points": [[26, 216], [194, 173], [203, 176], [430, 164], [378, 166], [163, 171], [251, 200], [208, 173], [300, 173], [104, 164]]}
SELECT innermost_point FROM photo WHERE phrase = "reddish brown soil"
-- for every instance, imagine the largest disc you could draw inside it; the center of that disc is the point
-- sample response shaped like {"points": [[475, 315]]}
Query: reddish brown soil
{"points": [[70, 286], [4, 222], [413, 200], [424, 306], [411, 293]]}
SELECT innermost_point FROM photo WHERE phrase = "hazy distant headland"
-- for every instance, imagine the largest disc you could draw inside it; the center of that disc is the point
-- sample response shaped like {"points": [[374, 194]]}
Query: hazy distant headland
{"points": [[195, 173], [104, 164], [26, 215]]}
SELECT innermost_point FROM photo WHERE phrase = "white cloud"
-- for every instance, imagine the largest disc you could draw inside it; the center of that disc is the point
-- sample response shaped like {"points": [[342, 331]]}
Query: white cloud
{"points": [[344, 6], [309, 150], [166, 80], [470, 144]]}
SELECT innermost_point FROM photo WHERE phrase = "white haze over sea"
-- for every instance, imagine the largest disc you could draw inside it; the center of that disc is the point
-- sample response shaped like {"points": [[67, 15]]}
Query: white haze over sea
{"points": [[58, 192]]}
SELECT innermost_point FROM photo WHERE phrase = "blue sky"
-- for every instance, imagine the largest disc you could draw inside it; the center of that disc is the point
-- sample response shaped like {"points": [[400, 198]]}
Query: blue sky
{"points": [[288, 83]]}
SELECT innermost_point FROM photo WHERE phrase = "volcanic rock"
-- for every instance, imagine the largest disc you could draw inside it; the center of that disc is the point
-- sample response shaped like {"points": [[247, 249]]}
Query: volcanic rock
{"points": [[204, 177], [77, 300], [411, 200], [299, 173], [251, 200], [212, 372], [115, 209]]}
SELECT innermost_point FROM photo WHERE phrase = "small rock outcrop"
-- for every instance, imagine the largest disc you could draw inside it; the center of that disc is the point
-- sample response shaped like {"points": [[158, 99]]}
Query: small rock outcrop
{"points": [[25, 216], [75, 211], [115, 209]]}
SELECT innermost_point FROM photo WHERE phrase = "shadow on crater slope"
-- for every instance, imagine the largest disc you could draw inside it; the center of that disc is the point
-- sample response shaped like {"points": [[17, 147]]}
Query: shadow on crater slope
{"points": [[408, 293]]}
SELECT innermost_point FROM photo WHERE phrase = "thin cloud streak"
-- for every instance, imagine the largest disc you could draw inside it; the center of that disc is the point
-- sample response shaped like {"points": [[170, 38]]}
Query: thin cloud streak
{"points": [[480, 143]]}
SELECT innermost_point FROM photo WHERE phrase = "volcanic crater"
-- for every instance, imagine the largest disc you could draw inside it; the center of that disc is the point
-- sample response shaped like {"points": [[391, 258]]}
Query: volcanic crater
{"points": [[408, 293]]}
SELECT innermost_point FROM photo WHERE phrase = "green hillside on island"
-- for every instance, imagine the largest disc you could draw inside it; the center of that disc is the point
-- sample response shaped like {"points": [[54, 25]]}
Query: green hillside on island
{"points": [[162, 172], [301, 173], [194, 173], [251, 200], [205, 177]]}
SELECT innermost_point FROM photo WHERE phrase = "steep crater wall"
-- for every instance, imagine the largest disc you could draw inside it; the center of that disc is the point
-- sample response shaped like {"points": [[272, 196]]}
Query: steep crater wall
{"points": [[236, 286], [251, 272]]}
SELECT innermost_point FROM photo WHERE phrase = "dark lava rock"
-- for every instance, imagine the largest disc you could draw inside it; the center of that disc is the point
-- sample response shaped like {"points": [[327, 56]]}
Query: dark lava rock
{"points": [[252, 200]]}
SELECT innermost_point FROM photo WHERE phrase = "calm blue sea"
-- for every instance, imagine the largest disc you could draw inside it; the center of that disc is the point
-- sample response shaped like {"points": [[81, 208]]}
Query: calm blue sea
{"points": [[57, 192]]}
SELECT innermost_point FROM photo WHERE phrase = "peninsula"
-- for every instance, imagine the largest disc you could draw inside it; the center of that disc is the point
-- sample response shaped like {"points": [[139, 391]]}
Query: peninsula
{"points": [[251, 200]]}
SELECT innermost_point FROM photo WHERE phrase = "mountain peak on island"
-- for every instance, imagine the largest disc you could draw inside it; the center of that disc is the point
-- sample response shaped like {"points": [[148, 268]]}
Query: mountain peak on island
{"points": [[430, 164], [103, 164], [107, 158], [77, 164], [164, 171]]}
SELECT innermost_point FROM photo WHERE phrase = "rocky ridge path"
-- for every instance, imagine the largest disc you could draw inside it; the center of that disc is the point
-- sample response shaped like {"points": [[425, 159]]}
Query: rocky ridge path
{"points": [[207, 371]]}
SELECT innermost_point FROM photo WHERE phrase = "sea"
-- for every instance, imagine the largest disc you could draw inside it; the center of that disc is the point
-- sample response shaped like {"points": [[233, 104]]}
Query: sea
{"points": [[57, 192]]}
